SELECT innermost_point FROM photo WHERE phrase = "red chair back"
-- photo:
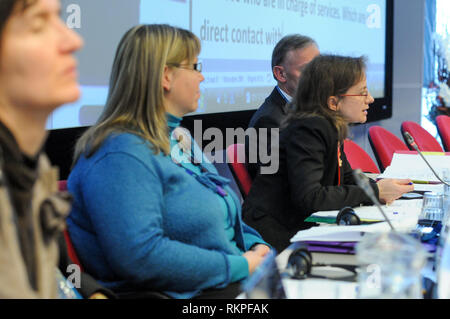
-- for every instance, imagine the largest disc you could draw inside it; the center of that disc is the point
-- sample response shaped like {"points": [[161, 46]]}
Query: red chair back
{"points": [[424, 140], [358, 158], [62, 186], [71, 250], [443, 126], [236, 160], [384, 144]]}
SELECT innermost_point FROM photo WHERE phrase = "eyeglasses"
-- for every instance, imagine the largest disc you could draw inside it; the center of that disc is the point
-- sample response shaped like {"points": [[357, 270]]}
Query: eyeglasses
{"points": [[364, 94], [196, 66]]}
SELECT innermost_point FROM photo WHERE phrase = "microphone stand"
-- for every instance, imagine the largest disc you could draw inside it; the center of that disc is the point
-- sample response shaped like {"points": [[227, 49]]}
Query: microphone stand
{"points": [[364, 184], [411, 142]]}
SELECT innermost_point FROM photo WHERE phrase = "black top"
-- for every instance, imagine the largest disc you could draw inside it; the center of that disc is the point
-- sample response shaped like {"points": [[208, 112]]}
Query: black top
{"points": [[21, 174], [271, 114], [306, 182]]}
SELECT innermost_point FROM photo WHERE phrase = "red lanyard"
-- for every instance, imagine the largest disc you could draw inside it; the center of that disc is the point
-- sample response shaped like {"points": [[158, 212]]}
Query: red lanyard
{"points": [[339, 162]]}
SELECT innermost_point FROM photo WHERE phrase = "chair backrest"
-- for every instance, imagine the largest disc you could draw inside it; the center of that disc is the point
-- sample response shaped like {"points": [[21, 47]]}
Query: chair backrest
{"points": [[424, 140], [384, 144], [236, 160], [62, 186], [443, 126], [358, 158], [71, 250]]}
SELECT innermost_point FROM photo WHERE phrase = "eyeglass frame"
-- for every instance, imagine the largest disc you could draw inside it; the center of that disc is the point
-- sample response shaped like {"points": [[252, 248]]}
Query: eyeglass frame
{"points": [[365, 95], [196, 66]]}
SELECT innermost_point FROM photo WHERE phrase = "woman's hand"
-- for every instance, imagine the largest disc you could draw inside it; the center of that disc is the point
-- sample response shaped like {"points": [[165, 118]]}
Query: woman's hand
{"points": [[261, 249], [392, 189], [253, 259], [255, 256]]}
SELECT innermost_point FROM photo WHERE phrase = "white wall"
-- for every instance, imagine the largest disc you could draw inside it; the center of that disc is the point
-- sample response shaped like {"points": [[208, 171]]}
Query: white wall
{"points": [[409, 21]]}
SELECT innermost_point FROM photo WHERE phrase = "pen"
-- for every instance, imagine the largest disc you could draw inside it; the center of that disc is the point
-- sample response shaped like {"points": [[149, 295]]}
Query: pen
{"points": [[426, 182]]}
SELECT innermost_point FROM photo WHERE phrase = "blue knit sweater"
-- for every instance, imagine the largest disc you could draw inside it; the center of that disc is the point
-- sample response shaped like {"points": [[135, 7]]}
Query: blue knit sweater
{"points": [[140, 221]]}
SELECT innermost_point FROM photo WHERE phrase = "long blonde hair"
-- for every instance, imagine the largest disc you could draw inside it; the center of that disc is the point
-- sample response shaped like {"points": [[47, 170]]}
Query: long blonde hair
{"points": [[135, 100]]}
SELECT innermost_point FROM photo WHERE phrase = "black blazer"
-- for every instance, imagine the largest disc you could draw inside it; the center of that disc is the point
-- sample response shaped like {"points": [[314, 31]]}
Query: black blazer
{"points": [[271, 114], [305, 182]]}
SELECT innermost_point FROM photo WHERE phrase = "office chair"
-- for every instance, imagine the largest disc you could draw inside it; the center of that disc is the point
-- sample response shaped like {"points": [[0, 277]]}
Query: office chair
{"points": [[71, 250], [62, 187], [236, 161], [424, 140], [443, 127], [358, 158], [384, 144]]}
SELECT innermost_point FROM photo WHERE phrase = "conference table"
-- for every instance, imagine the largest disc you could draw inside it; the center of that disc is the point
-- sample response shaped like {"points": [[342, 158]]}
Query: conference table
{"points": [[403, 214], [332, 287]]}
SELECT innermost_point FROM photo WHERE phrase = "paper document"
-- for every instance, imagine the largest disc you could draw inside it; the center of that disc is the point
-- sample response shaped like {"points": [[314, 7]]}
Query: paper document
{"points": [[402, 210], [319, 289], [403, 215], [340, 233], [437, 188], [414, 167]]}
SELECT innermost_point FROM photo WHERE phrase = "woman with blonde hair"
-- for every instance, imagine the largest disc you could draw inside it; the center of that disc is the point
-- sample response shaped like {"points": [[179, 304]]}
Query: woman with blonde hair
{"points": [[149, 214]]}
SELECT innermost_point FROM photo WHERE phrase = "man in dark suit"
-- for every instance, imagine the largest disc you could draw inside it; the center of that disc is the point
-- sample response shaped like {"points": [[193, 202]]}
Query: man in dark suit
{"points": [[291, 54]]}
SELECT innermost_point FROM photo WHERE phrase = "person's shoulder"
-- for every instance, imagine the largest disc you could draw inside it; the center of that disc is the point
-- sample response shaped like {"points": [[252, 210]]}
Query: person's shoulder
{"points": [[125, 142], [269, 117], [123, 145], [270, 109], [314, 125], [309, 121], [118, 150]]}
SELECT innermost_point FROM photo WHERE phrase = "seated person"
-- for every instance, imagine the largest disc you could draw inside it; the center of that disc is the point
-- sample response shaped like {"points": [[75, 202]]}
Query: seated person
{"points": [[150, 212], [35, 55], [290, 55], [314, 173], [37, 75]]}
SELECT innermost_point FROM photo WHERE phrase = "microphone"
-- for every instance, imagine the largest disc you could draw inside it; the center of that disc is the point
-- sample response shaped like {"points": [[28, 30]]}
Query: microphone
{"points": [[411, 142], [364, 184]]}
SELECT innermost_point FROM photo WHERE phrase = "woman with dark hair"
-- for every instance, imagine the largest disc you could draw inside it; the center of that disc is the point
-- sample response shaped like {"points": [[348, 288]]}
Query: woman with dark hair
{"points": [[314, 173], [37, 75], [150, 211]]}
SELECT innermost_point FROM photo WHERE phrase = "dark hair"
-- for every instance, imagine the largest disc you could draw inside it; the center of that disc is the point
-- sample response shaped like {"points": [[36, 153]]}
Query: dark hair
{"points": [[325, 76], [7, 7], [289, 43]]}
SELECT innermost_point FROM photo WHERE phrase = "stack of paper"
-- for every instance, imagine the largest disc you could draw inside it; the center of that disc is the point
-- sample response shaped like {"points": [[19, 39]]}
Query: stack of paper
{"points": [[340, 233], [403, 211], [413, 166], [319, 289], [403, 215]]}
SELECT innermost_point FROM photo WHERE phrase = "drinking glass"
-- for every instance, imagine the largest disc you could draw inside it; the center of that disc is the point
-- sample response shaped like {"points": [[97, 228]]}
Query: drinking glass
{"points": [[446, 178], [390, 266], [432, 209]]}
